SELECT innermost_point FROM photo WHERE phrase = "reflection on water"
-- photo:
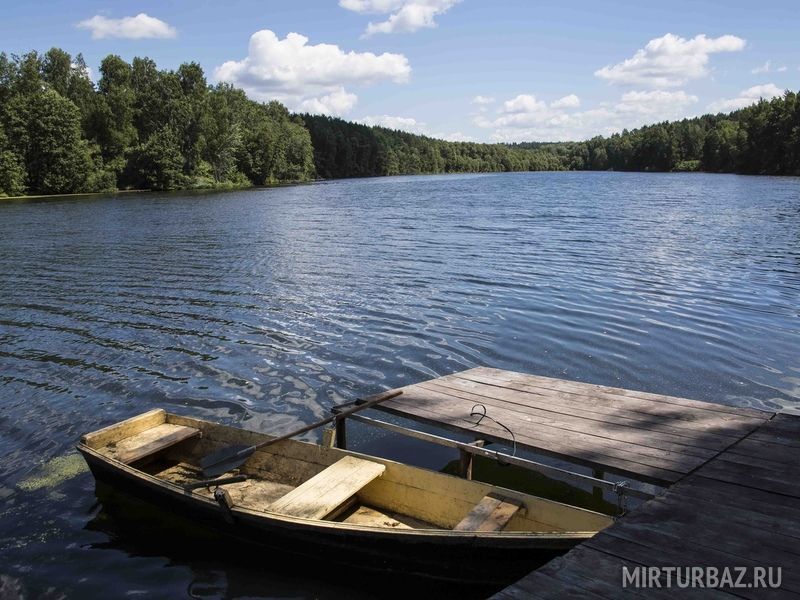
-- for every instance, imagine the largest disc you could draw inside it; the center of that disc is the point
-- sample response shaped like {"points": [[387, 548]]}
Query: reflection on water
{"points": [[266, 307]]}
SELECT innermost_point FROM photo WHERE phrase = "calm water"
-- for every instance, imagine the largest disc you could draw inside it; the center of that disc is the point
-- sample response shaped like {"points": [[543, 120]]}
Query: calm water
{"points": [[265, 307]]}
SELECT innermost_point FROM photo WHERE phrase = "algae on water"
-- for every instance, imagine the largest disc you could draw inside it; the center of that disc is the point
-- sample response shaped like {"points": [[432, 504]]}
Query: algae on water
{"points": [[54, 472]]}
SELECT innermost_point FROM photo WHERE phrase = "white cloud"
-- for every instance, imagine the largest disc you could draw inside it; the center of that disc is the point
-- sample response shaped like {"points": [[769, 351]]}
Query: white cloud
{"points": [[767, 68], [571, 101], [390, 122], [526, 118], [669, 61], [411, 125], [654, 103], [405, 16], [523, 104], [482, 100], [132, 28], [308, 77], [746, 98], [337, 103]]}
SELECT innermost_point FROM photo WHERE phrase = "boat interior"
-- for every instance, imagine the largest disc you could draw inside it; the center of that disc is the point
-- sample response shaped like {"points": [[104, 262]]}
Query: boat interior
{"points": [[308, 481]]}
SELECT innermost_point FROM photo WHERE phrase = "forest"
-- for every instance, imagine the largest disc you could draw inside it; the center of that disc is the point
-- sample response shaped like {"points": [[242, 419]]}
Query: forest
{"points": [[138, 127], [762, 139]]}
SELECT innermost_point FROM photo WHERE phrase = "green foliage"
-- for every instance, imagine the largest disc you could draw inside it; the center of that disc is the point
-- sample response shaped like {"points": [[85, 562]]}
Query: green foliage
{"points": [[12, 174], [43, 130], [12, 170], [688, 166], [344, 149], [158, 163], [140, 127], [761, 139], [723, 147]]}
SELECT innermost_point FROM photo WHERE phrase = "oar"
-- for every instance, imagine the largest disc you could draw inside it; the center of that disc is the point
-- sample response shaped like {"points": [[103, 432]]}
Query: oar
{"points": [[224, 460]]}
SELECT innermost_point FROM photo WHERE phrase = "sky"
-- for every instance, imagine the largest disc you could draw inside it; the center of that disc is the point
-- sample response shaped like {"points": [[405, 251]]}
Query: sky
{"points": [[477, 70]]}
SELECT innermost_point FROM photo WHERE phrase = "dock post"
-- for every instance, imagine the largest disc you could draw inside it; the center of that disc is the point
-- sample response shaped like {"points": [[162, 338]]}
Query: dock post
{"points": [[329, 437], [466, 459], [597, 492], [341, 433]]}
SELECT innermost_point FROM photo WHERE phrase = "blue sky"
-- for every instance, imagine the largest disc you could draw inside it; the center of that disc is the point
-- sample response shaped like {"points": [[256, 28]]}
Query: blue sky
{"points": [[502, 70]]}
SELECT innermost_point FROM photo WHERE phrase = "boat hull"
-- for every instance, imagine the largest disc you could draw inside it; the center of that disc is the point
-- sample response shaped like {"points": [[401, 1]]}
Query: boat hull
{"points": [[464, 559]]}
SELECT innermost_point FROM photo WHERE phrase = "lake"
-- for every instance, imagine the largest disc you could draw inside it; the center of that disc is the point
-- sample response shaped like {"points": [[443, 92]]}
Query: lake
{"points": [[265, 307]]}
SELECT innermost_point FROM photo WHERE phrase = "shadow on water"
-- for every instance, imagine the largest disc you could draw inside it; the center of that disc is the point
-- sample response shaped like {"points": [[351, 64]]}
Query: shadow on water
{"points": [[224, 568]]}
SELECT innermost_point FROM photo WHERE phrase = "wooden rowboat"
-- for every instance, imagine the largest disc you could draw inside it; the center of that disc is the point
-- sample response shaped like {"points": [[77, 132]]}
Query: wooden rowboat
{"points": [[338, 505]]}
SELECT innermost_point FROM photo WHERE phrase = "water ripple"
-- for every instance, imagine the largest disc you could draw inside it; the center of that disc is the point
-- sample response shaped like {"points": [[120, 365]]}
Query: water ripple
{"points": [[266, 307]]}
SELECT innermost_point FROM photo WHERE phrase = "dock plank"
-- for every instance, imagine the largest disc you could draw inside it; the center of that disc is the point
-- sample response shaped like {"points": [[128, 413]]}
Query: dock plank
{"points": [[590, 388], [589, 397], [590, 409], [567, 418], [731, 473], [650, 437], [740, 509], [550, 444]]}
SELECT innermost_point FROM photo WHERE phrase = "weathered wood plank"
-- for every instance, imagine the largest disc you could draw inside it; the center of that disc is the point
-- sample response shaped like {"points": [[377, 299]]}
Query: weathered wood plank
{"points": [[127, 428], [544, 435], [780, 454], [524, 423], [710, 432], [746, 475], [492, 513], [598, 572], [654, 548], [591, 400], [784, 424], [152, 441], [544, 587], [558, 418], [327, 491], [766, 461], [730, 531], [725, 495], [741, 509], [593, 456], [591, 389]]}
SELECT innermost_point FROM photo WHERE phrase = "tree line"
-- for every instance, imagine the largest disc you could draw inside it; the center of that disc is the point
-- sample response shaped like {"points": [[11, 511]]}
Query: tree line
{"points": [[139, 127], [346, 149], [761, 139]]}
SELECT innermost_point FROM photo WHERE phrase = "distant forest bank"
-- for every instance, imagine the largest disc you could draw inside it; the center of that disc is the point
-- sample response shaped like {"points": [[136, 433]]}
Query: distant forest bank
{"points": [[140, 127]]}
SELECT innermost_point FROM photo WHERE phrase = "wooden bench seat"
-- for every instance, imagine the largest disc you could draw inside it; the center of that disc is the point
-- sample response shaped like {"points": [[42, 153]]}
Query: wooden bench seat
{"points": [[490, 514], [328, 492], [150, 442]]}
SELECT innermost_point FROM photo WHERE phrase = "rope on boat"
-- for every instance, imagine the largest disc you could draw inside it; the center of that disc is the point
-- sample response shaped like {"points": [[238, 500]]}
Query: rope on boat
{"points": [[481, 416]]}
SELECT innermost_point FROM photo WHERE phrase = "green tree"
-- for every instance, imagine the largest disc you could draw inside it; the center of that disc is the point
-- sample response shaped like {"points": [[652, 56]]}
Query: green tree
{"points": [[112, 121], [158, 163], [221, 132], [723, 147], [12, 169]]}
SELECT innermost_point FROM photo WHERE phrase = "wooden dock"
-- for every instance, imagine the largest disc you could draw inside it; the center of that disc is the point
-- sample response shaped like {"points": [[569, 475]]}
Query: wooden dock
{"points": [[731, 476]]}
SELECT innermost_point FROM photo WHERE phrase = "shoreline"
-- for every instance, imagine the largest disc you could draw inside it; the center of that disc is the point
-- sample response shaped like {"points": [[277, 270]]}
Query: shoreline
{"points": [[45, 196], [320, 180]]}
